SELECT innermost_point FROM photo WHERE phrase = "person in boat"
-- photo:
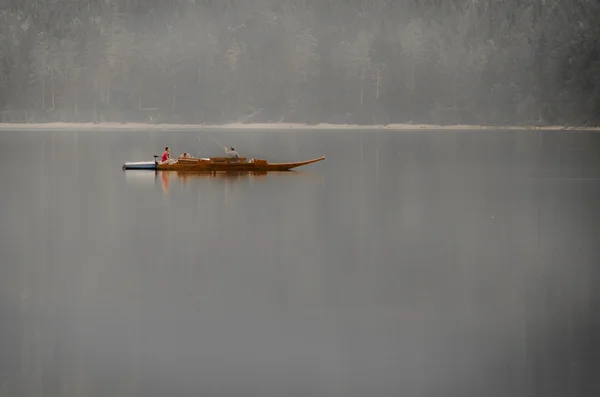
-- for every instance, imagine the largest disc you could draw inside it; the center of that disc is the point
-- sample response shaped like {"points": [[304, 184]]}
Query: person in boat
{"points": [[231, 153], [166, 157], [185, 155]]}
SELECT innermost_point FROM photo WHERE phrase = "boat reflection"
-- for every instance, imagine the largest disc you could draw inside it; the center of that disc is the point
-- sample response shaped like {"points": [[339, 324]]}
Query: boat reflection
{"points": [[167, 178], [140, 177], [191, 175], [185, 178], [165, 182]]}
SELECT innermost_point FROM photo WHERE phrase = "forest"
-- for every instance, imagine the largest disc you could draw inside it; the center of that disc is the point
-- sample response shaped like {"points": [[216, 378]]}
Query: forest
{"points": [[488, 62]]}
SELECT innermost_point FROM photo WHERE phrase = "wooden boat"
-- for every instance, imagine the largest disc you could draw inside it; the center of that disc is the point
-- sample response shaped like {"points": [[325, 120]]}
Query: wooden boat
{"points": [[214, 164]]}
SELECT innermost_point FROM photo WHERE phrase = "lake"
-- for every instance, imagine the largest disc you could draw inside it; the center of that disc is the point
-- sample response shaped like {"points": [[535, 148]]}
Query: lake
{"points": [[408, 263]]}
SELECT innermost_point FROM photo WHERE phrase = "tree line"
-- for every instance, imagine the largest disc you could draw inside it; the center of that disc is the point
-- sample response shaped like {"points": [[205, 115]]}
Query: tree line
{"points": [[525, 62]]}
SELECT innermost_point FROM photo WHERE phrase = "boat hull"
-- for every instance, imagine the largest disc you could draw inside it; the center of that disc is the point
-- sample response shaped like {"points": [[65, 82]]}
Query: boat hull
{"points": [[140, 165], [218, 164]]}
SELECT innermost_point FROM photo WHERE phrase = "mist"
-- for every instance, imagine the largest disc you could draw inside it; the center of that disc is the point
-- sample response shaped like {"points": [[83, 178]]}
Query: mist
{"points": [[510, 62], [417, 263]]}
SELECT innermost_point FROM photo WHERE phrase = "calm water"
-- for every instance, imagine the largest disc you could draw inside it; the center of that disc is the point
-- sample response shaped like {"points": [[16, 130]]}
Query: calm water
{"points": [[406, 264]]}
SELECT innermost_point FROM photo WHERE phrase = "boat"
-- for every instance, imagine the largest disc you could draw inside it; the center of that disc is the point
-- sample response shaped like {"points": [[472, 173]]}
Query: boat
{"points": [[215, 164]]}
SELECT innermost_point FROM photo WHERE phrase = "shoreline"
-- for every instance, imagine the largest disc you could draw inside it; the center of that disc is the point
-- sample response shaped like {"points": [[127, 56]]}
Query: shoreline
{"points": [[275, 126]]}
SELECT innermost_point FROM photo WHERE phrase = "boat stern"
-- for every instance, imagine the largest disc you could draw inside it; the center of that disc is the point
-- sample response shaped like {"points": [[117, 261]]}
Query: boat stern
{"points": [[139, 165]]}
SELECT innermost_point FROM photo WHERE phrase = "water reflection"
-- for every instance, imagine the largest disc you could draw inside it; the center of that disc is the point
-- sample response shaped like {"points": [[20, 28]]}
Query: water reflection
{"points": [[442, 271], [186, 179], [140, 178]]}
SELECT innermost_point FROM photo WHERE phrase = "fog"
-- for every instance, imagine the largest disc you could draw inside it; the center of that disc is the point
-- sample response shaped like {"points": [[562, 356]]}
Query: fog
{"points": [[429, 263], [516, 62]]}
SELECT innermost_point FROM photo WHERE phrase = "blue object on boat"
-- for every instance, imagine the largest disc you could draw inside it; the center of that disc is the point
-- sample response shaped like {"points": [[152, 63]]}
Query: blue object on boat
{"points": [[140, 165]]}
